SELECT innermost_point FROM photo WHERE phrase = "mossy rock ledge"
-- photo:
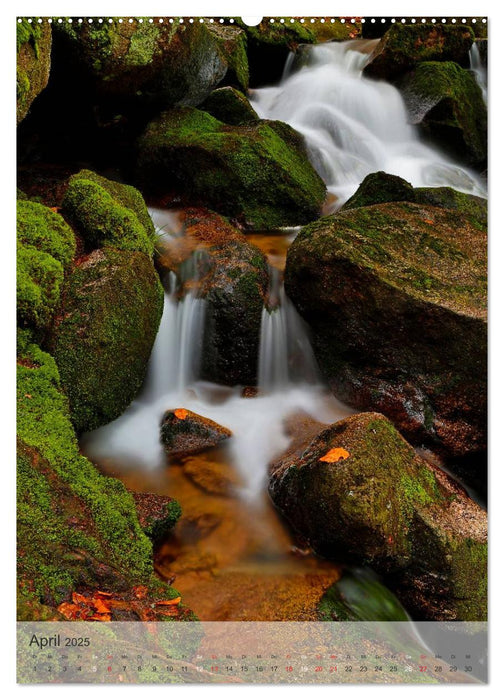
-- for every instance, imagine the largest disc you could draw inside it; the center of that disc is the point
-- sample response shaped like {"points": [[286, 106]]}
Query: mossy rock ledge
{"points": [[229, 105], [104, 333], [404, 46], [33, 53], [77, 530], [446, 102], [257, 174], [395, 294], [382, 506]]}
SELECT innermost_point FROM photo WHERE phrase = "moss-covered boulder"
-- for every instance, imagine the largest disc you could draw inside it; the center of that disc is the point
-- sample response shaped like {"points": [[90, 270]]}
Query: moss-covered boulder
{"points": [[76, 528], [230, 106], [33, 52], [255, 173], [446, 102], [157, 514], [405, 45], [106, 326], [108, 213], [185, 433], [150, 62], [380, 187], [269, 44], [395, 295], [359, 492], [45, 249]]}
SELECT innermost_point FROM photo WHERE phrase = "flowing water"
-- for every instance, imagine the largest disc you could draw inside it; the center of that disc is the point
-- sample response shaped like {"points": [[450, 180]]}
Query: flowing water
{"points": [[352, 125], [230, 554]]}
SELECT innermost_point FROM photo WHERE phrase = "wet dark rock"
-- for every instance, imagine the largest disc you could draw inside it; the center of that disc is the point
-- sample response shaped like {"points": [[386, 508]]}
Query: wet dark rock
{"points": [[33, 63], [446, 102], [230, 106], [359, 493], [184, 433], [404, 46], [395, 295]]}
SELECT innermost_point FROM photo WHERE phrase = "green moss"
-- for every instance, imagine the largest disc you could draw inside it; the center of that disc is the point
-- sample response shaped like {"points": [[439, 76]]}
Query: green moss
{"points": [[33, 57], [108, 213], [56, 485], [158, 529], [39, 283], [287, 34], [109, 318], [45, 230], [231, 168], [28, 32], [230, 106]]}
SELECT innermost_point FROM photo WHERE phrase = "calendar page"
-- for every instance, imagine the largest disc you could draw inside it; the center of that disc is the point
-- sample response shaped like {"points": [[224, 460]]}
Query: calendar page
{"points": [[251, 349]]}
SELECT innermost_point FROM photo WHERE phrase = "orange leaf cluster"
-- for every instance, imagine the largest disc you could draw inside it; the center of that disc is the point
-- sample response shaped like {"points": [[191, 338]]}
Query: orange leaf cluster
{"points": [[181, 413], [335, 455], [100, 605]]}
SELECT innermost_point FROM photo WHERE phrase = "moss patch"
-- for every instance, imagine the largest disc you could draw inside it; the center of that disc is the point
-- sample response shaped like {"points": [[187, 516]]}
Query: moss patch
{"points": [[107, 324], [108, 213], [33, 53]]}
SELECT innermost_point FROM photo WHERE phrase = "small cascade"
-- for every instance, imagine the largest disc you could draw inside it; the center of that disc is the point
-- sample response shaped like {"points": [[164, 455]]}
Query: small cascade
{"points": [[352, 125], [478, 69], [285, 353]]}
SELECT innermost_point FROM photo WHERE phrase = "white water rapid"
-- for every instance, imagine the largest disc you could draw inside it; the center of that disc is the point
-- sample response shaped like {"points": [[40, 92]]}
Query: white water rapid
{"points": [[354, 126], [478, 69]]}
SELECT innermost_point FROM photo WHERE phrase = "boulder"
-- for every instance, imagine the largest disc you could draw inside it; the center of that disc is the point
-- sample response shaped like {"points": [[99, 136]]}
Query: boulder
{"points": [[157, 514], [186, 154], [108, 213], [154, 63], [103, 336], [230, 106], [45, 249], [405, 45], [184, 433], [446, 102], [381, 187], [33, 63], [395, 295], [211, 477], [359, 493], [234, 284]]}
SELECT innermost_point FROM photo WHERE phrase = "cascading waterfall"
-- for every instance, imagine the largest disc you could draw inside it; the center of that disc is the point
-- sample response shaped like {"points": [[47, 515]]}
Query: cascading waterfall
{"points": [[285, 353], [478, 69], [352, 125]]}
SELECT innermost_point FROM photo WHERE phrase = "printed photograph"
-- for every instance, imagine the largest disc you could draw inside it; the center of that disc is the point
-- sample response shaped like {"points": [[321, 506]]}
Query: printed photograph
{"points": [[252, 320]]}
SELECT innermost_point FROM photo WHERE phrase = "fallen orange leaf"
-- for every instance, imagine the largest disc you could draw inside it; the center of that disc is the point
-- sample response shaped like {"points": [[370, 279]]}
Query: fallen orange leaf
{"points": [[335, 455], [181, 413], [100, 618], [173, 601], [428, 221], [102, 593], [168, 613], [69, 610], [78, 598], [100, 606]]}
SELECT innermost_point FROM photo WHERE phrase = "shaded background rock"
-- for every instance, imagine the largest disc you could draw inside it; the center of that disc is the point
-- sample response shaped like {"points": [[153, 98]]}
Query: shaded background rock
{"points": [[379, 504], [404, 46], [396, 297], [33, 63]]}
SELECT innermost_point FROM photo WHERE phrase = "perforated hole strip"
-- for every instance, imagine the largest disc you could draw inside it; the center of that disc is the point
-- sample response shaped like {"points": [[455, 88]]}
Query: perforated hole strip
{"points": [[271, 20]]}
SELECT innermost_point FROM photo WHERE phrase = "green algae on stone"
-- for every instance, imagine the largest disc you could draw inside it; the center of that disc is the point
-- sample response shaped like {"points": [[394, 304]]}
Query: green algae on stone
{"points": [[230, 106], [108, 213], [381, 505], [39, 283], [395, 294], [446, 101], [404, 46], [246, 172], [33, 52], [107, 324]]}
